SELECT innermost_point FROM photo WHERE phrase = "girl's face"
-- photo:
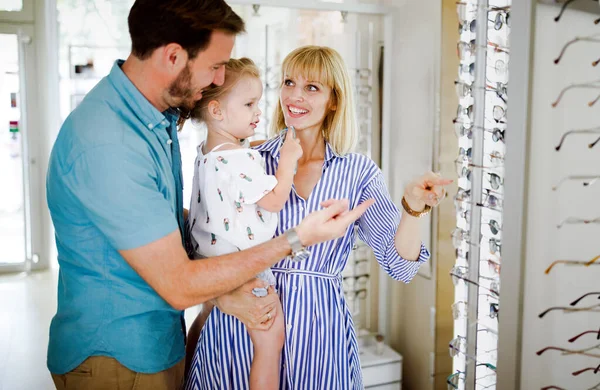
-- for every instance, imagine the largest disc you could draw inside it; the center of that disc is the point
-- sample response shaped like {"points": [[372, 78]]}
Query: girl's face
{"points": [[305, 103], [240, 108]]}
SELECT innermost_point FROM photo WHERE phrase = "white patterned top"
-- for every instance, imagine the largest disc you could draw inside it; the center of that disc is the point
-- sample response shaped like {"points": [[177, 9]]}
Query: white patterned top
{"points": [[223, 215]]}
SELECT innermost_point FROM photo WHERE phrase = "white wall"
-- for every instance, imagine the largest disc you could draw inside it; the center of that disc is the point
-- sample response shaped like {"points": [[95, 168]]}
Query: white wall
{"points": [[415, 54], [544, 242]]}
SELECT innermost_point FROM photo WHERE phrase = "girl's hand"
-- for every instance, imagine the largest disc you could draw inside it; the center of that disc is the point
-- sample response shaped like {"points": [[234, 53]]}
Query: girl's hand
{"points": [[426, 190], [291, 148]]}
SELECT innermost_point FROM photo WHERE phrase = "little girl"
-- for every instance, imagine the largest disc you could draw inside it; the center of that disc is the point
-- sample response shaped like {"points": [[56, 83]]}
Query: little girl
{"points": [[234, 206]]}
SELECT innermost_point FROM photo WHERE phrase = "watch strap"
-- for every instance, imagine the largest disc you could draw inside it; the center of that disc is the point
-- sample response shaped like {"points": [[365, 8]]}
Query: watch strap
{"points": [[417, 214]]}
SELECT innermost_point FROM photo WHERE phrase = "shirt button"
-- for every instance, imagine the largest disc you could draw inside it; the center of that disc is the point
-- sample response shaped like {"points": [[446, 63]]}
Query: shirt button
{"points": [[165, 122], [301, 208], [169, 142], [150, 126], [289, 327], [295, 288]]}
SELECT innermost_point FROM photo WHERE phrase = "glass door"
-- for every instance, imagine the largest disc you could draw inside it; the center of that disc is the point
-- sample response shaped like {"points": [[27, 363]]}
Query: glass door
{"points": [[16, 10], [16, 207]]}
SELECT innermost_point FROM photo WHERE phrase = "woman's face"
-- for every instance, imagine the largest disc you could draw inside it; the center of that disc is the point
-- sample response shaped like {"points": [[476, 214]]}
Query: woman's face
{"points": [[305, 103]]}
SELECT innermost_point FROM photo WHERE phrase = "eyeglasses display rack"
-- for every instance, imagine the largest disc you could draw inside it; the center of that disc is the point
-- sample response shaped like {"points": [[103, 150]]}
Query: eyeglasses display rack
{"points": [[480, 126], [548, 330]]}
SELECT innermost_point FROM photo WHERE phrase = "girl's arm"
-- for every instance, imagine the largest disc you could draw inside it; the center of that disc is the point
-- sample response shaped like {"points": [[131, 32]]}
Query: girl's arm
{"points": [[275, 199], [290, 152], [257, 142]]}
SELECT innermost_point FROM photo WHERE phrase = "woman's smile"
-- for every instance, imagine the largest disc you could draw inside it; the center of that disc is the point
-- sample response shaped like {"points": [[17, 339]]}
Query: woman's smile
{"points": [[296, 112]]}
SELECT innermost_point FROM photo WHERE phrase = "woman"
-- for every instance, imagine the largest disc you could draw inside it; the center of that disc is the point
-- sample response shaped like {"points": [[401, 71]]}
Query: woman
{"points": [[320, 350]]}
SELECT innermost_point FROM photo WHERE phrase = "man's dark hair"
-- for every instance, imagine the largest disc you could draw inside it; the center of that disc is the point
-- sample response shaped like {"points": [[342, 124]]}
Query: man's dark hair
{"points": [[189, 23]]}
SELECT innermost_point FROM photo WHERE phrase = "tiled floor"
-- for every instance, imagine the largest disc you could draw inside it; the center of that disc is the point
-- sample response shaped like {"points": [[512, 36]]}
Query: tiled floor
{"points": [[27, 304], [12, 237]]}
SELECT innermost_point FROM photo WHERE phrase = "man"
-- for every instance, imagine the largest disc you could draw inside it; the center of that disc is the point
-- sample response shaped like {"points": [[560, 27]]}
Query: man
{"points": [[114, 190]]}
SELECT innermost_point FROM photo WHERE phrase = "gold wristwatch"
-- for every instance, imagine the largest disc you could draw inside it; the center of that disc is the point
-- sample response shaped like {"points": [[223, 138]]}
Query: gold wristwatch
{"points": [[417, 214]]}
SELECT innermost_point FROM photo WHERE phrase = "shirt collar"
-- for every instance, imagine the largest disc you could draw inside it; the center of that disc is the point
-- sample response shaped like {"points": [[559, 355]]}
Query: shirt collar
{"points": [[139, 105], [330, 154], [273, 145], [270, 146]]}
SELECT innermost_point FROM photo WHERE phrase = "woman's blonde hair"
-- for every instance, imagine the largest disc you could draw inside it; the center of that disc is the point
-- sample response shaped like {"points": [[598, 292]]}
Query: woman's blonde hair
{"points": [[325, 65], [235, 70]]}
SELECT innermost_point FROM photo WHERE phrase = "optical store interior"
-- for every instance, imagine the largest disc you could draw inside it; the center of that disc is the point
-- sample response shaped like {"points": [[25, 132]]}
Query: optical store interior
{"points": [[501, 96]]}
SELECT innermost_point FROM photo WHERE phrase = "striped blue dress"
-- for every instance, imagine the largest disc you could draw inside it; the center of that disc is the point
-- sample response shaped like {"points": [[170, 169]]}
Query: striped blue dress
{"points": [[321, 350]]}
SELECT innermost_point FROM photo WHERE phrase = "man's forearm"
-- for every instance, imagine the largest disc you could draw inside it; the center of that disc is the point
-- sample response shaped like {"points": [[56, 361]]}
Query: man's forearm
{"points": [[206, 279], [164, 265]]}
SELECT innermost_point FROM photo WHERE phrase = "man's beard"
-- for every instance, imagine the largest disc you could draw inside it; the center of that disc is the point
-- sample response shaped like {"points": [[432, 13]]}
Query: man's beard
{"points": [[181, 92]]}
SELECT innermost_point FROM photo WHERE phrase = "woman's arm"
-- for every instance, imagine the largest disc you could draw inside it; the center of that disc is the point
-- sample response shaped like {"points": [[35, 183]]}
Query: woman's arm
{"points": [[408, 237], [394, 237], [428, 190], [194, 334]]}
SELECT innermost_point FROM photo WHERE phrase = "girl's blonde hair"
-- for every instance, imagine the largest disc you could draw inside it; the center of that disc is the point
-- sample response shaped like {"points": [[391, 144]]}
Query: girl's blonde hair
{"points": [[325, 65], [235, 70]]}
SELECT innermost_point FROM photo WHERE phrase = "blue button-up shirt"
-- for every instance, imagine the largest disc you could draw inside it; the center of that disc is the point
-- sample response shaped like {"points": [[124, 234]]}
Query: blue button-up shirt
{"points": [[114, 183]]}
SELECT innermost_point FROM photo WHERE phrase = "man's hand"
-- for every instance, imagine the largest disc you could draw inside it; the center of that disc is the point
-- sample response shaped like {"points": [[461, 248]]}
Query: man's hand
{"points": [[331, 222], [270, 342], [254, 312]]}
